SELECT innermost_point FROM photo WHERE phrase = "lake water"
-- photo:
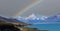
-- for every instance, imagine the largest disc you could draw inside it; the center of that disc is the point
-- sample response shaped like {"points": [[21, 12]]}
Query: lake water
{"points": [[50, 27]]}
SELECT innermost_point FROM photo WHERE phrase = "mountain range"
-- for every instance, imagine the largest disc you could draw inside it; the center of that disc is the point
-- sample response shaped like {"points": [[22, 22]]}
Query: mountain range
{"points": [[4, 19], [37, 19]]}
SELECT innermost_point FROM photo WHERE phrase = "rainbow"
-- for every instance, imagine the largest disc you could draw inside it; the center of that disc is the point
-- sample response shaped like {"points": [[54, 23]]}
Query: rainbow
{"points": [[28, 7]]}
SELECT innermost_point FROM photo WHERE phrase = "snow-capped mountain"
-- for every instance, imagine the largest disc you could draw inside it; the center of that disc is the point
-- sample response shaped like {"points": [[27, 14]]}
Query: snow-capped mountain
{"points": [[33, 18], [21, 19], [36, 18], [55, 18]]}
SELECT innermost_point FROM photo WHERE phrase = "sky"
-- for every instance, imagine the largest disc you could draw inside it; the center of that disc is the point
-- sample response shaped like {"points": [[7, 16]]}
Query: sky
{"points": [[45, 8], [14, 8]]}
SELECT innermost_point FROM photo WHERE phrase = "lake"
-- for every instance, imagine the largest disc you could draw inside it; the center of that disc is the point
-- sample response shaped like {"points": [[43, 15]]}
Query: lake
{"points": [[50, 27]]}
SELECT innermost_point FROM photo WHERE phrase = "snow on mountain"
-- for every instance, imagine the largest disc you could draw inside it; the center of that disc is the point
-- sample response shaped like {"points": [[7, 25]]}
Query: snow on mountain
{"points": [[33, 18], [36, 17], [21, 19], [55, 18], [58, 17]]}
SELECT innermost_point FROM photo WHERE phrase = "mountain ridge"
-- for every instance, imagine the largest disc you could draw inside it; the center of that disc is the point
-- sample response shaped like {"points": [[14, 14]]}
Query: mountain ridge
{"points": [[36, 18]]}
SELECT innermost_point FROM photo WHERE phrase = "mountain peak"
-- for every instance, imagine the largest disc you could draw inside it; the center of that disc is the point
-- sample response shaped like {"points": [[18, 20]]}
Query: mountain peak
{"points": [[32, 16], [36, 16]]}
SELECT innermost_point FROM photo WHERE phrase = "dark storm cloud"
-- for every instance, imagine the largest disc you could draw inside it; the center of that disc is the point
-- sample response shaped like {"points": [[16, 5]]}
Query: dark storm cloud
{"points": [[46, 8], [49, 7], [12, 7]]}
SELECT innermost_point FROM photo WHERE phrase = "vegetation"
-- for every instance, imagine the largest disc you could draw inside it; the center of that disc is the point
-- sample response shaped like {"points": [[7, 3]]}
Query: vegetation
{"points": [[12, 27], [8, 27]]}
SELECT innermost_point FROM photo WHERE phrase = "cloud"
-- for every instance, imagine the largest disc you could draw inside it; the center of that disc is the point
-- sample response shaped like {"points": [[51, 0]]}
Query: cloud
{"points": [[45, 8], [12, 8]]}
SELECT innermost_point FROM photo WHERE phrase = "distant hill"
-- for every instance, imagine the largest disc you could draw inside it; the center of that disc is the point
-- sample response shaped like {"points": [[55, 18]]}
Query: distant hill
{"points": [[11, 20]]}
